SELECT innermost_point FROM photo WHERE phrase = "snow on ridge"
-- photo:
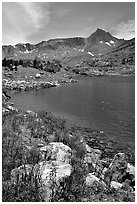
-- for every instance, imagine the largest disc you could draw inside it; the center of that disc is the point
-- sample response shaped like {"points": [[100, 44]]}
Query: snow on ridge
{"points": [[90, 53], [81, 50], [26, 51], [108, 43]]}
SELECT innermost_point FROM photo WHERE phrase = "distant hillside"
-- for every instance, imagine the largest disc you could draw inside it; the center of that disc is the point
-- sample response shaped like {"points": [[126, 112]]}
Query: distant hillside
{"points": [[99, 44], [124, 53]]}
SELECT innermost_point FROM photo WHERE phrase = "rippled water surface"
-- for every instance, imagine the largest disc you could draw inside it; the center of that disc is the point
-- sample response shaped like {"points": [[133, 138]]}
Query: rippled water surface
{"points": [[103, 103]]}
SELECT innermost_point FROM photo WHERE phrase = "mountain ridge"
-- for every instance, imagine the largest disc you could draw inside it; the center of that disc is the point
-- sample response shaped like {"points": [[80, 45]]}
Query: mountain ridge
{"points": [[97, 44]]}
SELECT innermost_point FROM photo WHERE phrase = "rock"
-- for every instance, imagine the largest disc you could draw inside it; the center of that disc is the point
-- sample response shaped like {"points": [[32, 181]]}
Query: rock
{"points": [[130, 169], [128, 179], [115, 185], [31, 113], [128, 185], [37, 76], [103, 173], [88, 148], [92, 156], [21, 173], [57, 151], [11, 108], [5, 110], [54, 168], [90, 179], [49, 175], [117, 168]]}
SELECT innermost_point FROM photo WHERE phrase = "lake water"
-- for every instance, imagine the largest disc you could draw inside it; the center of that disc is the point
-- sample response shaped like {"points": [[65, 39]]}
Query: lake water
{"points": [[103, 103]]}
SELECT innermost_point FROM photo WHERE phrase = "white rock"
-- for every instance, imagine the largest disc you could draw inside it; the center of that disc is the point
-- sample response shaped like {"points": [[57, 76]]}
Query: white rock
{"points": [[130, 169], [115, 184], [50, 174], [38, 76], [88, 148], [31, 113], [11, 108], [90, 179], [57, 151], [5, 110]]}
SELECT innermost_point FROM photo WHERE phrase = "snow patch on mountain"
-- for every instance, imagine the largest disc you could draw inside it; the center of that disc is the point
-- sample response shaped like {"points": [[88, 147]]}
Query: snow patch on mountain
{"points": [[107, 43], [90, 53], [112, 42], [26, 51]]}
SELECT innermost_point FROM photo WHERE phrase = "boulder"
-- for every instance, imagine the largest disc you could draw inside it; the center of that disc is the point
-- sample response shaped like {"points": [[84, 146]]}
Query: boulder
{"points": [[56, 151], [11, 108], [5, 110], [49, 175], [38, 76], [115, 185], [32, 113], [21, 173], [92, 156], [130, 169], [91, 179], [53, 169]]}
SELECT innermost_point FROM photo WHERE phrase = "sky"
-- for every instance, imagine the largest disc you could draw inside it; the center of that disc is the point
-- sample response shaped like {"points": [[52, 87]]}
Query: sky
{"points": [[34, 22]]}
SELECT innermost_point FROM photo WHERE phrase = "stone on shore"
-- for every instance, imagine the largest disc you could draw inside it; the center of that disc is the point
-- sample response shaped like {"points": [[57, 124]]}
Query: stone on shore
{"points": [[91, 179], [38, 76], [49, 175], [92, 156], [115, 185], [56, 151]]}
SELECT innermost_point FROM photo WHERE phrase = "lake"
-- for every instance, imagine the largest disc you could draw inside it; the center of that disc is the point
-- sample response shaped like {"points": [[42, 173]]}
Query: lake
{"points": [[103, 103]]}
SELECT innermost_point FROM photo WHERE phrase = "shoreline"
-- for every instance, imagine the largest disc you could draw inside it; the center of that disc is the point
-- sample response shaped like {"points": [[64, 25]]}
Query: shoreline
{"points": [[33, 80], [28, 135], [9, 109]]}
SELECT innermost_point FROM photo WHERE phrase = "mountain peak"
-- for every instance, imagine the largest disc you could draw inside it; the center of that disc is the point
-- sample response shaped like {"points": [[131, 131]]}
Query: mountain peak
{"points": [[100, 35]]}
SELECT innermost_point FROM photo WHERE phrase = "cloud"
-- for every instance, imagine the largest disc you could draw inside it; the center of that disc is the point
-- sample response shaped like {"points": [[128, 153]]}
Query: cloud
{"points": [[34, 11], [22, 19], [124, 30], [60, 12]]}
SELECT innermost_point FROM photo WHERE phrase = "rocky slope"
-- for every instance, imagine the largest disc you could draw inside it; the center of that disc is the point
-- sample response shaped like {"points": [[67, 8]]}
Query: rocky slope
{"points": [[100, 42], [46, 159], [99, 54]]}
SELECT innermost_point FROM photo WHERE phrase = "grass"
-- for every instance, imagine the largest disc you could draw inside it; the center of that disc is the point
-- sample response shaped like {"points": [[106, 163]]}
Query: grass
{"points": [[21, 132]]}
